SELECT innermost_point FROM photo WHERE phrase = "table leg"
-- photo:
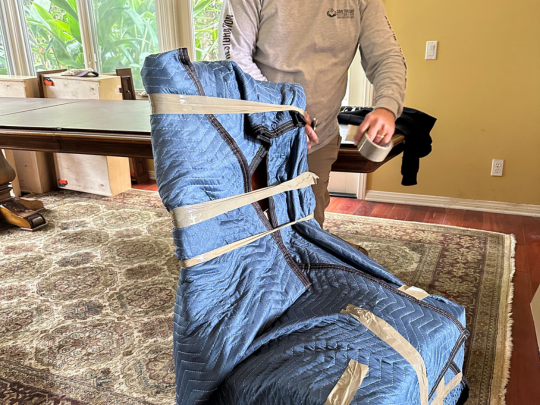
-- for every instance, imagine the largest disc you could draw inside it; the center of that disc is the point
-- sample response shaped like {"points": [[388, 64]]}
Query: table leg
{"points": [[22, 213]]}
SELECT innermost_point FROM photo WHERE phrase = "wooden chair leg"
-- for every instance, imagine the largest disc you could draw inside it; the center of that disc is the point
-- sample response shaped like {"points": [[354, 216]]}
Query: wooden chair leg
{"points": [[19, 212], [33, 205], [14, 212]]}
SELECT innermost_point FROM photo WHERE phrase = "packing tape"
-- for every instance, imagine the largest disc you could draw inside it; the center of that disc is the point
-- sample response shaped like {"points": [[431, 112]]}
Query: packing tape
{"points": [[196, 213], [372, 151], [183, 104], [396, 140], [443, 390], [394, 339], [415, 292], [235, 245], [346, 387]]}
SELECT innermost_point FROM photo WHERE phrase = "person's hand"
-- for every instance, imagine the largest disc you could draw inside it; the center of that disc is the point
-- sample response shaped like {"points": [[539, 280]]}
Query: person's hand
{"points": [[312, 137], [379, 124]]}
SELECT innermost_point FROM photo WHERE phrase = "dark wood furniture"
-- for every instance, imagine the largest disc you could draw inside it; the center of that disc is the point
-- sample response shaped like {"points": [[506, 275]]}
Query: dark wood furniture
{"points": [[43, 74], [108, 127], [349, 160], [17, 211], [138, 166]]}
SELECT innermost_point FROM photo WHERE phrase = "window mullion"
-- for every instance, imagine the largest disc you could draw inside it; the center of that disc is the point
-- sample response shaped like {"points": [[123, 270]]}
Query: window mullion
{"points": [[16, 43], [87, 25], [175, 25], [360, 89]]}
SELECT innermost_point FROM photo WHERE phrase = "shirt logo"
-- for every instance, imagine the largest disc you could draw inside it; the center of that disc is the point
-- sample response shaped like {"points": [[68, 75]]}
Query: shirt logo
{"points": [[345, 13], [228, 24]]}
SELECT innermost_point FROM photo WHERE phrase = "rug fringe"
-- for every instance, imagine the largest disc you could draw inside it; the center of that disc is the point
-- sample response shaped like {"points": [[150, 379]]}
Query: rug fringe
{"points": [[508, 346]]}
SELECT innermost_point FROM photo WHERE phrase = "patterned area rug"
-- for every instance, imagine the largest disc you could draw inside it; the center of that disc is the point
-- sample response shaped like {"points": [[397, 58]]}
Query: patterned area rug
{"points": [[86, 303], [473, 268]]}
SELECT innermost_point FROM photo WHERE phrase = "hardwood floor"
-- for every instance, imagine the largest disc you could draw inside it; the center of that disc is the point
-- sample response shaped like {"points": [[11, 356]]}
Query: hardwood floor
{"points": [[524, 385], [149, 186]]}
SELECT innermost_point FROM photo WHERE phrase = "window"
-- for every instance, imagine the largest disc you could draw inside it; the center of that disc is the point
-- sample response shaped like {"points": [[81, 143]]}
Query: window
{"points": [[54, 34], [206, 20], [105, 34], [127, 34], [3, 58]]}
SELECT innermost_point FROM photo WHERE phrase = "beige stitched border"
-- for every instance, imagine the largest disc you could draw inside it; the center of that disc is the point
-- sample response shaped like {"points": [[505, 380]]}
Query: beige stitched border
{"points": [[184, 104], [346, 387], [235, 245], [196, 213]]}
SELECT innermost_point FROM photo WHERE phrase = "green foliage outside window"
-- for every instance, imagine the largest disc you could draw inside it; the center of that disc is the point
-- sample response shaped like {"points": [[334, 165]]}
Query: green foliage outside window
{"points": [[3, 61], [127, 34], [55, 37], [126, 31], [206, 20]]}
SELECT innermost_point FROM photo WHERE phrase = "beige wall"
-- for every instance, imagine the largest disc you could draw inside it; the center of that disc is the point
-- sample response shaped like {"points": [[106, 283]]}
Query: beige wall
{"points": [[485, 91]]}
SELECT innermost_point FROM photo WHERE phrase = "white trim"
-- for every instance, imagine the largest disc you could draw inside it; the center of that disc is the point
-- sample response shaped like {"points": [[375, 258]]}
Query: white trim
{"points": [[359, 93], [362, 186], [87, 25], [456, 203], [175, 25], [16, 44], [152, 174], [360, 90]]}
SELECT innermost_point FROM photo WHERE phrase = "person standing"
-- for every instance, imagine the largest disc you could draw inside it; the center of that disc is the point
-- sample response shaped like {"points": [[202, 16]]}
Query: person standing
{"points": [[313, 43]]}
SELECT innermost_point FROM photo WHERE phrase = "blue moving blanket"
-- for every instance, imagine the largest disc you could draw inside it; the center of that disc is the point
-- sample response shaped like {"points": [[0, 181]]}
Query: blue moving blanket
{"points": [[296, 316]]}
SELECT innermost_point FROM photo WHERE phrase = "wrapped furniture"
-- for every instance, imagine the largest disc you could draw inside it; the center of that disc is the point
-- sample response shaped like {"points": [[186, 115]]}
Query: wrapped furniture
{"points": [[271, 309]]}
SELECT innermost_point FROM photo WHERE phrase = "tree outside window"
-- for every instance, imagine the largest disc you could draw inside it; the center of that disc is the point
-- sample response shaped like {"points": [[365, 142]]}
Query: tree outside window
{"points": [[206, 20], [54, 34], [126, 33]]}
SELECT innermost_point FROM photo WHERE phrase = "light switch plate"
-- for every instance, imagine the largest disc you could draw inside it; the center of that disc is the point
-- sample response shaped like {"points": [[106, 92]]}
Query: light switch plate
{"points": [[431, 50]]}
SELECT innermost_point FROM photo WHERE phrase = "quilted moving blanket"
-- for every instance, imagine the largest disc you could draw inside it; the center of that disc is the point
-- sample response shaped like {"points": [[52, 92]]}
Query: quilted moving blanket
{"points": [[271, 309]]}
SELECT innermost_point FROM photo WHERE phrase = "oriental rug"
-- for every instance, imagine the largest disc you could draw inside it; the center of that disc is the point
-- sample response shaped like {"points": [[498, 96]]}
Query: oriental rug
{"points": [[86, 303]]}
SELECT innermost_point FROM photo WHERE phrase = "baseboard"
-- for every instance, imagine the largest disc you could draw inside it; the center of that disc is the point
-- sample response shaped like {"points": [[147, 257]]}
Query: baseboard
{"points": [[456, 203], [342, 195], [152, 174]]}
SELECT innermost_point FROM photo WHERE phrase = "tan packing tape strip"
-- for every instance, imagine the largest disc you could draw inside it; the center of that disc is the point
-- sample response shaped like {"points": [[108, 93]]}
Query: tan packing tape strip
{"points": [[183, 104], [394, 339], [415, 292], [196, 213], [346, 387], [444, 390], [235, 245]]}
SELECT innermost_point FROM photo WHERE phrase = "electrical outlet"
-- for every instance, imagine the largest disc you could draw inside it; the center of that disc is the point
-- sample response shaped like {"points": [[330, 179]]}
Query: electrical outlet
{"points": [[497, 167]]}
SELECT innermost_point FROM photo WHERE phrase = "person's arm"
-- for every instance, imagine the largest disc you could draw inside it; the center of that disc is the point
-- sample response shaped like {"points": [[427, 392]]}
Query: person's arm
{"points": [[385, 67], [238, 32]]}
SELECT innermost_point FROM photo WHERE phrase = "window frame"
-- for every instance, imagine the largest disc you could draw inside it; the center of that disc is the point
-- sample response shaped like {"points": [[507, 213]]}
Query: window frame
{"points": [[174, 21], [16, 44]]}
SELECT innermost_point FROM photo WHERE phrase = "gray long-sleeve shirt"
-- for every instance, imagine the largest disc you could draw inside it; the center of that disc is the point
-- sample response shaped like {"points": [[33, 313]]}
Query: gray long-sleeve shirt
{"points": [[313, 42]]}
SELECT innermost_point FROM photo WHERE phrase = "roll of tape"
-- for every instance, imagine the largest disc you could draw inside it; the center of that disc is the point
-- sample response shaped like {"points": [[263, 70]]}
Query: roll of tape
{"points": [[372, 151]]}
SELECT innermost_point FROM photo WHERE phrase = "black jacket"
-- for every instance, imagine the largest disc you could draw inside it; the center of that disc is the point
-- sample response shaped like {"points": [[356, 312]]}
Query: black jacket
{"points": [[414, 124]]}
